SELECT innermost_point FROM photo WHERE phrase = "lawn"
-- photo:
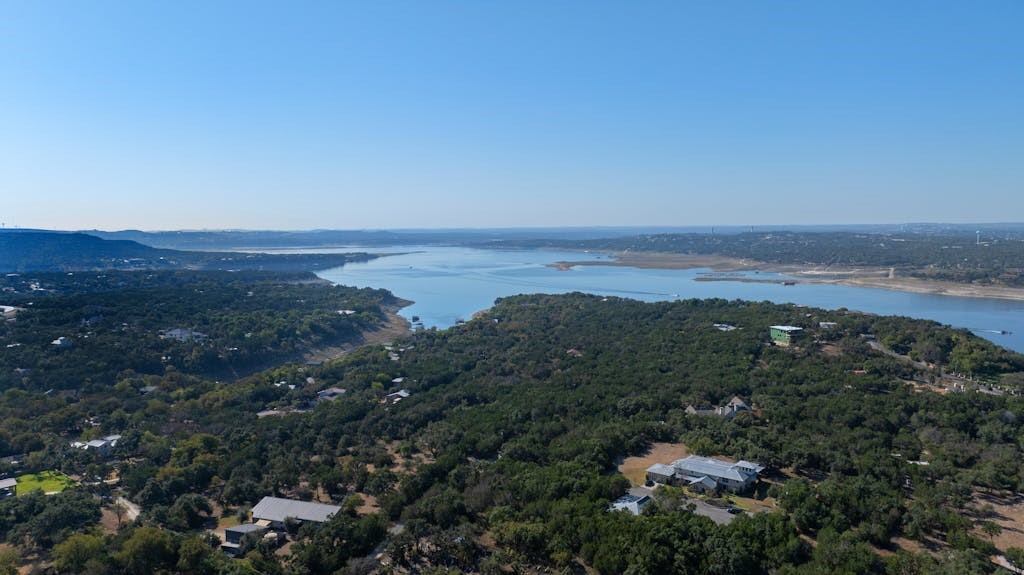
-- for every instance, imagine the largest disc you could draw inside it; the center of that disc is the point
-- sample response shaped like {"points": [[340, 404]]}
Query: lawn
{"points": [[635, 468], [47, 481], [228, 521]]}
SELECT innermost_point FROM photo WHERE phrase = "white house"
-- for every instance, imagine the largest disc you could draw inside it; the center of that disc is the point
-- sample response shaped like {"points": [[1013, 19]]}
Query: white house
{"points": [[396, 396], [330, 394], [62, 342], [101, 446], [633, 503]]}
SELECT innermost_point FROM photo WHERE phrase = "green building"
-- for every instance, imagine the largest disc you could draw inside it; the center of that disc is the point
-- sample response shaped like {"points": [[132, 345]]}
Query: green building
{"points": [[784, 334]]}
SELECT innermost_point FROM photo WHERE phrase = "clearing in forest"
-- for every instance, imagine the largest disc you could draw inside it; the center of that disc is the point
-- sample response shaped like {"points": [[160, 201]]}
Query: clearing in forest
{"points": [[1006, 511], [635, 468], [47, 481]]}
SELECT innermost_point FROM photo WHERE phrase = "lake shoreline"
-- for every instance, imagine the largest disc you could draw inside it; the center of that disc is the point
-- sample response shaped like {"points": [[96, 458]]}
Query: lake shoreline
{"points": [[881, 278]]}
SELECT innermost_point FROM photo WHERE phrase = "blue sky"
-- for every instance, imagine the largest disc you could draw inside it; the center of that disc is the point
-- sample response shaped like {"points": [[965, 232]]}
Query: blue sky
{"points": [[294, 115]]}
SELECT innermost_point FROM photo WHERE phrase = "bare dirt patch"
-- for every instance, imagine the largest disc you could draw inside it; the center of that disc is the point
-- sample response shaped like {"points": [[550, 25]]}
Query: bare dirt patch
{"points": [[635, 468], [369, 504], [831, 350], [1007, 512], [658, 260], [31, 563], [109, 522], [878, 277], [285, 549], [395, 326], [405, 463], [928, 545]]}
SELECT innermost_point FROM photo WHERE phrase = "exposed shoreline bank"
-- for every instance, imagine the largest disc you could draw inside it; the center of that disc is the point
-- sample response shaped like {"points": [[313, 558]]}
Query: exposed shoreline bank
{"points": [[882, 278], [394, 326]]}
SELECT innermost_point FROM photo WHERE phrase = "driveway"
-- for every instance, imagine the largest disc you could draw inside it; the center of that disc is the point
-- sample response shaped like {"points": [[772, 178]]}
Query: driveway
{"points": [[131, 510], [717, 514]]}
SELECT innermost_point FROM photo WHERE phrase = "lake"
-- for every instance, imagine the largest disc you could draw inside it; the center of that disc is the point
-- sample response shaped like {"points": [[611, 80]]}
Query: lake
{"points": [[452, 283]]}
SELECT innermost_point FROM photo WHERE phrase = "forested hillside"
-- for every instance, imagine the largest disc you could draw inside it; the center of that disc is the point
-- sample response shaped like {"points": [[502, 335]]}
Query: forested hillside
{"points": [[954, 258], [40, 251], [505, 453], [203, 323]]}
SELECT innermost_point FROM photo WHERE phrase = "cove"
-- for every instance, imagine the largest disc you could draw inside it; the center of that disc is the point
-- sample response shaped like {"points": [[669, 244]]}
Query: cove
{"points": [[449, 284]]}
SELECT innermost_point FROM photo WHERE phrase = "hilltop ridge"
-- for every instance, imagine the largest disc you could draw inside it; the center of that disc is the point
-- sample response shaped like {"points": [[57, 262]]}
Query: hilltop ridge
{"points": [[35, 251]]}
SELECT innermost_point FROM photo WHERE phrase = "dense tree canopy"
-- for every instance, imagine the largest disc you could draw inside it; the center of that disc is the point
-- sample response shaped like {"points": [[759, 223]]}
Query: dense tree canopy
{"points": [[955, 258], [505, 452]]}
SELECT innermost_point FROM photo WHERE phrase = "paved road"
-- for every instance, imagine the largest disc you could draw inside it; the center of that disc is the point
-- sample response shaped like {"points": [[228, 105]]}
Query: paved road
{"points": [[131, 510], [881, 348], [716, 514]]}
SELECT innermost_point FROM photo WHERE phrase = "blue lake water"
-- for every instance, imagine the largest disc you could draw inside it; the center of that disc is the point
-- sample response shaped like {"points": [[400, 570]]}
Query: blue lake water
{"points": [[451, 283]]}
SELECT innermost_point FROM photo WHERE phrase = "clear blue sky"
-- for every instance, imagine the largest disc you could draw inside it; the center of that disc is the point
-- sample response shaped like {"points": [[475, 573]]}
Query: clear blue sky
{"points": [[292, 115]]}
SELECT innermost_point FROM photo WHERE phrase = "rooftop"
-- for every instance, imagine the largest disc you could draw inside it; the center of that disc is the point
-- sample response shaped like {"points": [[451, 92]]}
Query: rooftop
{"points": [[696, 465], [786, 328], [744, 464], [278, 509], [662, 469], [736, 401], [182, 334], [246, 528], [632, 503]]}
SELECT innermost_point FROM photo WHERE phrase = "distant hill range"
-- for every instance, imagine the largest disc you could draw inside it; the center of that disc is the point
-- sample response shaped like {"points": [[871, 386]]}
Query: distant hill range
{"points": [[31, 250], [265, 239]]}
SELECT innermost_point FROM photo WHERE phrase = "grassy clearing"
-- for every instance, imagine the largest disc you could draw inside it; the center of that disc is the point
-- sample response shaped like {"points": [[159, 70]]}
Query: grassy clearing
{"points": [[47, 481], [635, 468], [228, 521]]}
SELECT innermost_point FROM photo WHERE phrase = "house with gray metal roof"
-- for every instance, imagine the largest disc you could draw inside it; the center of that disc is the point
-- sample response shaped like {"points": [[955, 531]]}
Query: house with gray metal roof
{"points": [[233, 536], [277, 509], [702, 484], [727, 476], [706, 474], [661, 473]]}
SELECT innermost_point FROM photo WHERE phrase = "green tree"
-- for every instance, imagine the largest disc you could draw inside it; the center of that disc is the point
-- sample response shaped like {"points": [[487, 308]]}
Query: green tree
{"points": [[1015, 555], [190, 510], [194, 555], [10, 560], [992, 529], [72, 554], [148, 550]]}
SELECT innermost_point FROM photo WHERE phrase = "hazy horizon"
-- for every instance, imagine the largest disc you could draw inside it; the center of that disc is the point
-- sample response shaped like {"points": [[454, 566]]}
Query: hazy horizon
{"points": [[706, 228], [405, 115]]}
